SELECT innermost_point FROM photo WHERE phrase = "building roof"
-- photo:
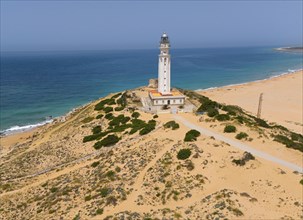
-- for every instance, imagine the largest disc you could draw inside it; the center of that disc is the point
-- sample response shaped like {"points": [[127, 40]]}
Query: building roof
{"points": [[157, 95]]}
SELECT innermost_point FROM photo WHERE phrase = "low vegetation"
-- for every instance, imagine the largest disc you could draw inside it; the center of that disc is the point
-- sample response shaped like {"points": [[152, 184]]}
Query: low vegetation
{"points": [[135, 114], [241, 135], [183, 154], [230, 129], [191, 135], [171, 124], [107, 141], [245, 158], [289, 142]]}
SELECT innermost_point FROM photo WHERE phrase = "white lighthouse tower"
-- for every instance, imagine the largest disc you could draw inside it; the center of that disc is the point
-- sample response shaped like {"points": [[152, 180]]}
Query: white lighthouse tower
{"points": [[165, 96], [164, 66]]}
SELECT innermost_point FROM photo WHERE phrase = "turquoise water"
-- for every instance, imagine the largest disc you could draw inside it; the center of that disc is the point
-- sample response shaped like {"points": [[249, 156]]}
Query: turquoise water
{"points": [[35, 85]]}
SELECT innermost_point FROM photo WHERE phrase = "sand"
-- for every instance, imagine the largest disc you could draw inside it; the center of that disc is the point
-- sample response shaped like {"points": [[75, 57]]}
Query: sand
{"points": [[282, 99], [48, 173]]}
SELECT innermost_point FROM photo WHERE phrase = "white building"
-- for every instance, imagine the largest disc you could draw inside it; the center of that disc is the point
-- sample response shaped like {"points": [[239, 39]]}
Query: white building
{"points": [[164, 95]]}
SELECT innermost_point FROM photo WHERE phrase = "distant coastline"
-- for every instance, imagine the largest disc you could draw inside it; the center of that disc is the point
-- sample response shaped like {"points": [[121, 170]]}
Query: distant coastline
{"points": [[290, 49]]}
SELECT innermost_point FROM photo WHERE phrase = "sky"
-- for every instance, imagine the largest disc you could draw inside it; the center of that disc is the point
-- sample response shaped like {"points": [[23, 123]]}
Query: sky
{"points": [[105, 25]]}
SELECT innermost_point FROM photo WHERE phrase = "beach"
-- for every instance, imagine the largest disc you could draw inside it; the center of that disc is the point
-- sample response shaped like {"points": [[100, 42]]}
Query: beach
{"points": [[282, 98]]}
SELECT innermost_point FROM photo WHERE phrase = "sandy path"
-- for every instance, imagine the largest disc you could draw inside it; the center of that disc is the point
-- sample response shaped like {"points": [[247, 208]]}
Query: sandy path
{"points": [[239, 145]]}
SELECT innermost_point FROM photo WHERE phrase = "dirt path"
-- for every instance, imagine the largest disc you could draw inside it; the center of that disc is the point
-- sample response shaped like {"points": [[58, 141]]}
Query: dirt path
{"points": [[239, 145]]}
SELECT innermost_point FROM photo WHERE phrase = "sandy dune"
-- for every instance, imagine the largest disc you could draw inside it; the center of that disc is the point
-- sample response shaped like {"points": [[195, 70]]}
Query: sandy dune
{"points": [[282, 98]]}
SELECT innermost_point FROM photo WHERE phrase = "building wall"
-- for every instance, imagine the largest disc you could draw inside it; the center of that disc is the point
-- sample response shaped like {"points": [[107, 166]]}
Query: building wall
{"points": [[178, 101]]}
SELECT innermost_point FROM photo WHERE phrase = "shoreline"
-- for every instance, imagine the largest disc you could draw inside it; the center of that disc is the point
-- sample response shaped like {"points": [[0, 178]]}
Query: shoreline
{"points": [[249, 82], [17, 129]]}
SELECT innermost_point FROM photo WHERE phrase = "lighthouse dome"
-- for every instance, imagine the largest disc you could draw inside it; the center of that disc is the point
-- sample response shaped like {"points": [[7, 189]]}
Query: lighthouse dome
{"points": [[164, 39]]}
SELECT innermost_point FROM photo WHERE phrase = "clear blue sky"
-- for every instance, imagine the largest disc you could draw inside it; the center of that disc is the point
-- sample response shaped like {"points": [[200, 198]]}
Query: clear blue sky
{"points": [[86, 25]]}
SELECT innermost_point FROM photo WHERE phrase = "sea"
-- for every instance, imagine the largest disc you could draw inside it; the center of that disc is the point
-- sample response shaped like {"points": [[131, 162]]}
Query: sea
{"points": [[37, 86]]}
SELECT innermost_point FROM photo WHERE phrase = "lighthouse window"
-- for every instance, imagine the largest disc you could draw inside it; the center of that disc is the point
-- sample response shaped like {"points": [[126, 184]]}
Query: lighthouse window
{"points": [[164, 59], [174, 101]]}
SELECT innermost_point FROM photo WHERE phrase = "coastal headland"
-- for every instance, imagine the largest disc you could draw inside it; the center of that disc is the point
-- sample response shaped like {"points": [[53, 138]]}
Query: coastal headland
{"points": [[110, 160]]}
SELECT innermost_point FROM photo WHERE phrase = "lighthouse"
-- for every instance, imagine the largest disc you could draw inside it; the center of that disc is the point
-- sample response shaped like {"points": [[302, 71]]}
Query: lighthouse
{"points": [[164, 66], [165, 95]]}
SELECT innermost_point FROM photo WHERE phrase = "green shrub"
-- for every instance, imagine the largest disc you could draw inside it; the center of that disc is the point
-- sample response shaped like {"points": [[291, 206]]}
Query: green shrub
{"points": [[99, 211], [107, 141], [136, 115], [261, 122], [296, 137], [155, 116], [54, 189], [230, 129], [208, 105], [171, 124], [120, 119], [116, 95], [108, 109], [109, 116], [101, 104], [137, 124], [96, 129], [122, 100], [87, 120], [87, 198], [148, 128], [191, 135], [184, 154], [223, 117], [301, 181], [99, 116], [94, 136], [104, 192], [232, 109], [288, 142], [241, 135], [110, 175], [119, 108], [96, 163], [212, 112]]}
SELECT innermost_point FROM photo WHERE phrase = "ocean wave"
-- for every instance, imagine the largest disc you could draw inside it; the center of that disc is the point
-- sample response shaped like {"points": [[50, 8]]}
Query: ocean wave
{"points": [[18, 129]]}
